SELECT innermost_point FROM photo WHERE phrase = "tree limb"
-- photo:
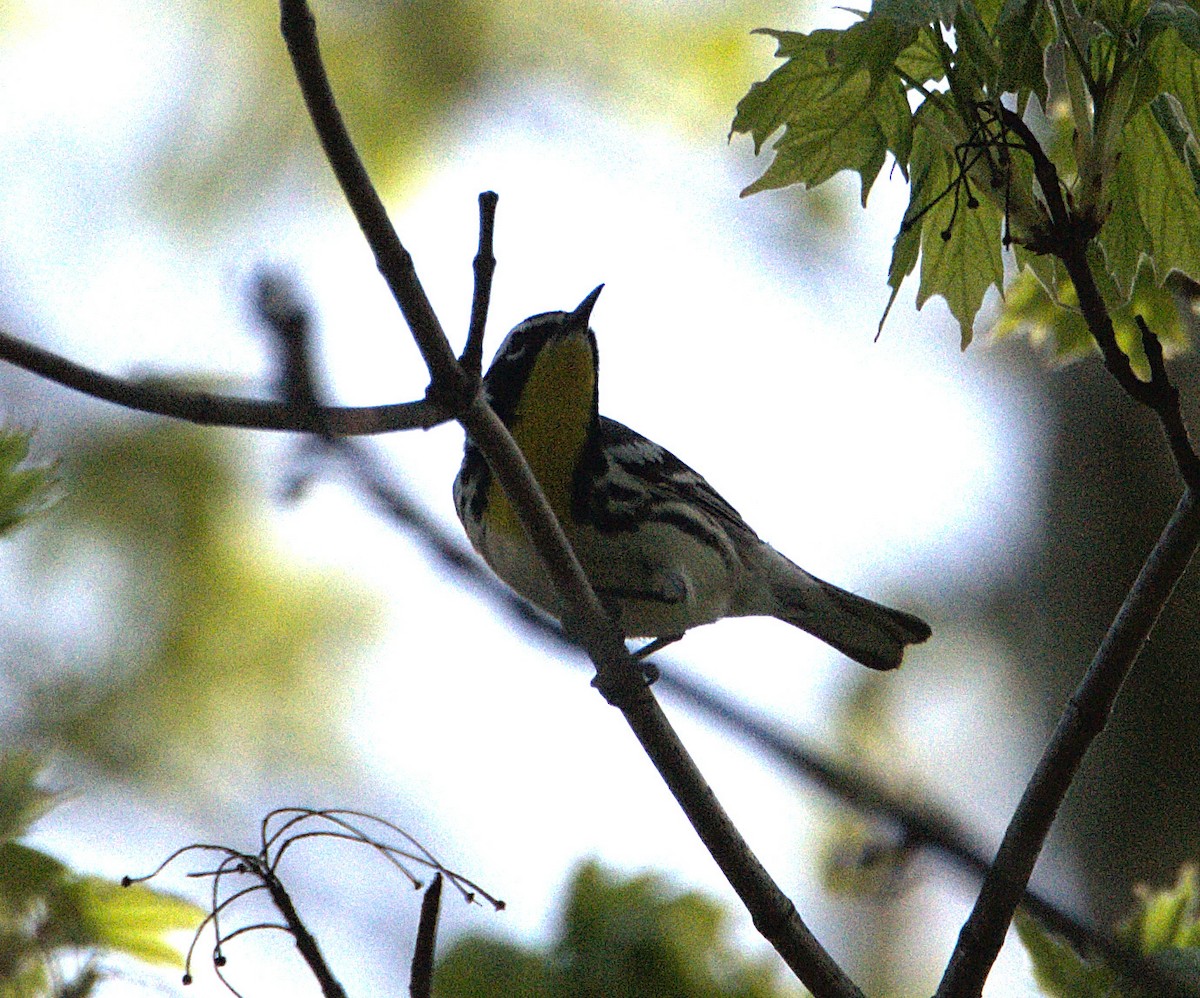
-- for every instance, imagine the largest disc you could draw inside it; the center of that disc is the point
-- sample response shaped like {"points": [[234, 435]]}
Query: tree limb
{"points": [[163, 399], [298, 27], [1085, 716]]}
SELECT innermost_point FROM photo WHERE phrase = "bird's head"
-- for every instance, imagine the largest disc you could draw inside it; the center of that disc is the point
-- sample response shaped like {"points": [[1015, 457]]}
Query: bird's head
{"points": [[548, 363]]}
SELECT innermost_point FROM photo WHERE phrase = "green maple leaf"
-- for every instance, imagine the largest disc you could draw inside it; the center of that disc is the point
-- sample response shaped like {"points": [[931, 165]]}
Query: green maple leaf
{"points": [[837, 102], [959, 245], [1165, 190], [24, 489], [1060, 972]]}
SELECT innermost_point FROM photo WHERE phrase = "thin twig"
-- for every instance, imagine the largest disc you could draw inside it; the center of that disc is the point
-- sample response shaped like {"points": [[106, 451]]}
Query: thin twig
{"points": [[289, 320], [1166, 403], [1085, 716], [420, 982], [305, 942], [208, 409], [484, 266], [1158, 394]]}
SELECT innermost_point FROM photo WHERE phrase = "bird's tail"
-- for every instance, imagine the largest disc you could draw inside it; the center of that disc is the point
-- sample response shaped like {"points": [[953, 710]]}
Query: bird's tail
{"points": [[870, 633]]}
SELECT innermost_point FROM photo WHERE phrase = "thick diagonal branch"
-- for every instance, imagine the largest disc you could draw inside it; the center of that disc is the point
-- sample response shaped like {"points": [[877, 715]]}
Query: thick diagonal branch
{"points": [[1085, 716]]}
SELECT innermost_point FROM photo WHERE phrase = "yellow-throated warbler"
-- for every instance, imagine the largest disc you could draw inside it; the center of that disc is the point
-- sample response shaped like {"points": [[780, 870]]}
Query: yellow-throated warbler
{"points": [[662, 549]]}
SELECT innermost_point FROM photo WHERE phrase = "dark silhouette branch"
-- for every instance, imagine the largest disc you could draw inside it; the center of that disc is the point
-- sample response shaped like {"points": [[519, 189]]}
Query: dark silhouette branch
{"points": [[450, 385], [1085, 716], [160, 398], [484, 266], [305, 942], [395, 263], [1068, 237], [420, 980]]}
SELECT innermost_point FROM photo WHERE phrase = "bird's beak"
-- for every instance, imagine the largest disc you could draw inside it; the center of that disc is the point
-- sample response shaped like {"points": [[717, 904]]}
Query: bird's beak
{"points": [[583, 310]]}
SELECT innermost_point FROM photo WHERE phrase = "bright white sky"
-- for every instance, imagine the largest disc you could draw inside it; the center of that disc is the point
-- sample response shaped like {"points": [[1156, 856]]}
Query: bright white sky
{"points": [[883, 466]]}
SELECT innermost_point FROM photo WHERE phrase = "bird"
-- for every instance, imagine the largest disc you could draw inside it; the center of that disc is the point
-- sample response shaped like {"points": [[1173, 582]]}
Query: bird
{"points": [[662, 549]]}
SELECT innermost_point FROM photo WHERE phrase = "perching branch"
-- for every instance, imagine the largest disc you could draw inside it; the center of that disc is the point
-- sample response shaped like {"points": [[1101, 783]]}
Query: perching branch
{"points": [[618, 677], [450, 385]]}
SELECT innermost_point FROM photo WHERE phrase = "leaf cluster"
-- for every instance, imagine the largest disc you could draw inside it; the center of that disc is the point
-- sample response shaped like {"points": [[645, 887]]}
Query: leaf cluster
{"points": [[1165, 926], [24, 488], [616, 938], [1110, 91], [48, 912]]}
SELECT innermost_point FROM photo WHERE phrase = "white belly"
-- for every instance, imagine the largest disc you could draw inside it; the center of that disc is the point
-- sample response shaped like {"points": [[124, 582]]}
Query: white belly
{"points": [[660, 580]]}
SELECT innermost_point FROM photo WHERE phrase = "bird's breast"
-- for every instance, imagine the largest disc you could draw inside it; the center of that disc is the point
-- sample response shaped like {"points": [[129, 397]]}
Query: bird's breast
{"points": [[550, 424]]}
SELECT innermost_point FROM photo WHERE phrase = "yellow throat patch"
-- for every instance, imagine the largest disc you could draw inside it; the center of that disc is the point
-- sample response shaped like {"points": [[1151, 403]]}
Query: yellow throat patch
{"points": [[550, 426]]}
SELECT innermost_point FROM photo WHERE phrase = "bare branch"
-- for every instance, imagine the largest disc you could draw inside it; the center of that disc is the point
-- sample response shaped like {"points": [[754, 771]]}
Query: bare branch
{"points": [[162, 399], [305, 942], [1165, 401], [420, 981], [484, 266], [395, 263], [1085, 716]]}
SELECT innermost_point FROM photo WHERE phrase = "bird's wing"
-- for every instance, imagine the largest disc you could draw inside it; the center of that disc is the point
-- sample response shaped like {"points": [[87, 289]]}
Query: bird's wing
{"points": [[639, 472]]}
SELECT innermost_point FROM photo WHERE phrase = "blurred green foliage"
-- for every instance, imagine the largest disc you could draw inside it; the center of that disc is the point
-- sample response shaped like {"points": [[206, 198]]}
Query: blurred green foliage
{"points": [[616, 938], [1165, 925], [409, 78], [216, 650], [24, 488], [56, 925], [1052, 320]]}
